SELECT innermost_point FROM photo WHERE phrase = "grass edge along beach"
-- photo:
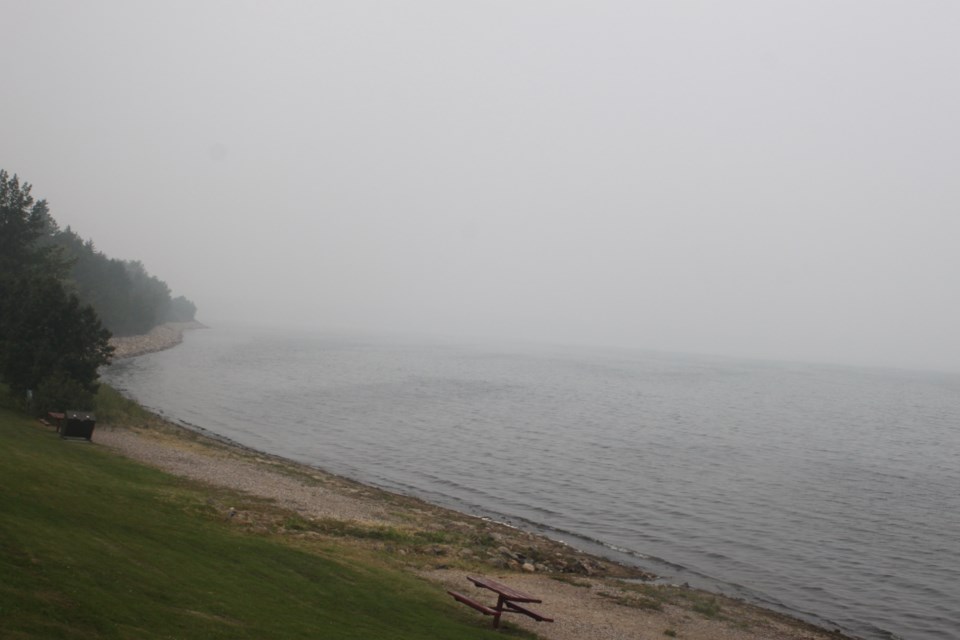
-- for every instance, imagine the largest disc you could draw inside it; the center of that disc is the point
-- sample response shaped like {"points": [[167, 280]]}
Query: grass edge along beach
{"points": [[98, 546], [94, 544]]}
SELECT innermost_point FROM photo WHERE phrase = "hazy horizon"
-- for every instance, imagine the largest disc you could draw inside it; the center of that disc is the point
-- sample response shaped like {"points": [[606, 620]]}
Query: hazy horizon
{"points": [[753, 179]]}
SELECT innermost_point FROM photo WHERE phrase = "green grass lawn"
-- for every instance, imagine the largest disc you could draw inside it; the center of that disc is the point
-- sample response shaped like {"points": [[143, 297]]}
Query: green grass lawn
{"points": [[96, 546]]}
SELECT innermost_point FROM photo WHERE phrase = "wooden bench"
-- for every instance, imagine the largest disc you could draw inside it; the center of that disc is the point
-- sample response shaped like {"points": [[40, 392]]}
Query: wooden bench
{"points": [[470, 602], [514, 607]]}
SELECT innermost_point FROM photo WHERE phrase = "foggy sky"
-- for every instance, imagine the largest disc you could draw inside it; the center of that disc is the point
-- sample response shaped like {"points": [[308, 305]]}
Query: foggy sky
{"points": [[758, 178]]}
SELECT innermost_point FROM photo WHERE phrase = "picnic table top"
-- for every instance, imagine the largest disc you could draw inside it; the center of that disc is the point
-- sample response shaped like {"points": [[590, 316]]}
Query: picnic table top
{"points": [[509, 593]]}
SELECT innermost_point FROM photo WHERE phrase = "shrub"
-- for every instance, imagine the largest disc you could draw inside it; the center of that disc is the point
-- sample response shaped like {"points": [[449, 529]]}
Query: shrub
{"points": [[59, 392]]}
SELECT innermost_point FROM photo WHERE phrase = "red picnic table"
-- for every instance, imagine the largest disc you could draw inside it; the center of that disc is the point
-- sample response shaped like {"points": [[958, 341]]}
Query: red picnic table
{"points": [[57, 418], [507, 599]]}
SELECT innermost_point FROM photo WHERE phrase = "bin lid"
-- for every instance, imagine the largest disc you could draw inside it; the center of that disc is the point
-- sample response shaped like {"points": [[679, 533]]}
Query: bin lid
{"points": [[80, 415]]}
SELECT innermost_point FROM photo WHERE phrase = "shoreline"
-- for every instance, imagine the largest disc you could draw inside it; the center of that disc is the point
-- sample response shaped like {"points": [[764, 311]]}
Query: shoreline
{"points": [[161, 337], [591, 596]]}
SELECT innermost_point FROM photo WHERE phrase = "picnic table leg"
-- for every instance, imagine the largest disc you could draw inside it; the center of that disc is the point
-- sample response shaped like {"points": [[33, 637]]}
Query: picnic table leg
{"points": [[499, 610]]}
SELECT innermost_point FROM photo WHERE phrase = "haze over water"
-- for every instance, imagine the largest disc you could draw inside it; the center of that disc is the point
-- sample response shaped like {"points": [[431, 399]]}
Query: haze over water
{"points": [[823, 491], [748, 178]]}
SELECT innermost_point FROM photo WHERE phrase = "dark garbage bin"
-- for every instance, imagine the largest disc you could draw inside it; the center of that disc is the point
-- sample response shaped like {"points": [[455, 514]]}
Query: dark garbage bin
{"points": [[78, 424]]}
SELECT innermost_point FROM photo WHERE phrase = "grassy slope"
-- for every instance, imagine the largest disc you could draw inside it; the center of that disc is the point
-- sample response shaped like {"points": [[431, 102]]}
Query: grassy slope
{"points": [[95, 546]]}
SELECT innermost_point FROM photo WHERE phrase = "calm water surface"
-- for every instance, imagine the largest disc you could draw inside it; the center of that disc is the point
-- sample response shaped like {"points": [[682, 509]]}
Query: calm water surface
{"points": [[827, 492]]}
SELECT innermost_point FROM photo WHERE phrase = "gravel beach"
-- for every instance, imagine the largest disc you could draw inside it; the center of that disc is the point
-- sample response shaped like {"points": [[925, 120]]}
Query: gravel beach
{"points": [[161, 337], [588, 596]]}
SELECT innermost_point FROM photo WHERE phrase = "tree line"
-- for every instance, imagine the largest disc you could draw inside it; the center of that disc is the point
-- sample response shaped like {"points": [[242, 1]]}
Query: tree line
{"points": [[60, 302], [128, 300]]}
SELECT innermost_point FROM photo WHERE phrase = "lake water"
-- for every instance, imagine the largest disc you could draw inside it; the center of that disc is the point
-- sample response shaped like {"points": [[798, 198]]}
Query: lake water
{"points": [[829, 493]]}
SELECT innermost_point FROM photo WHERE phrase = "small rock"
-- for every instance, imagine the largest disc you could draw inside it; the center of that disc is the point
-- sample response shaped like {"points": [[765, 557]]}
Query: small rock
{"points": [[529, 568], [582, 567]]}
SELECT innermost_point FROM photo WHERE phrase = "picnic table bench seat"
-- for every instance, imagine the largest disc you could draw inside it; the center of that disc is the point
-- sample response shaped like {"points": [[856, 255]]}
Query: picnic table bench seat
{"points": [[470, 602], [539, 617]]}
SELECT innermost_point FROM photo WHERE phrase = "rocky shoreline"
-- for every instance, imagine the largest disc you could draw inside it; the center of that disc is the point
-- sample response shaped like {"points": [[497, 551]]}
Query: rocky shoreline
{"points": [[592, 598], [164, 336]]}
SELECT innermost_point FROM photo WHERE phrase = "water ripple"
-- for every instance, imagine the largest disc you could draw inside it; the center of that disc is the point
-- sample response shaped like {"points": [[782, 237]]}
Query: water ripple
{"points": [[825, 492]]}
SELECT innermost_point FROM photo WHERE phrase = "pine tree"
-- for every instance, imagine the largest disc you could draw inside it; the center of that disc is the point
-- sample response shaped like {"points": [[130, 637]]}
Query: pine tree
{"points": [[47, 337]]}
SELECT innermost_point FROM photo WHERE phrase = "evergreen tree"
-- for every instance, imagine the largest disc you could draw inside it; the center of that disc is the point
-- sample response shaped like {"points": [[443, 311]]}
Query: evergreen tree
{"points": [[127, 298], [48, 338], [24, 223], [47, 333], [181, 310]]}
